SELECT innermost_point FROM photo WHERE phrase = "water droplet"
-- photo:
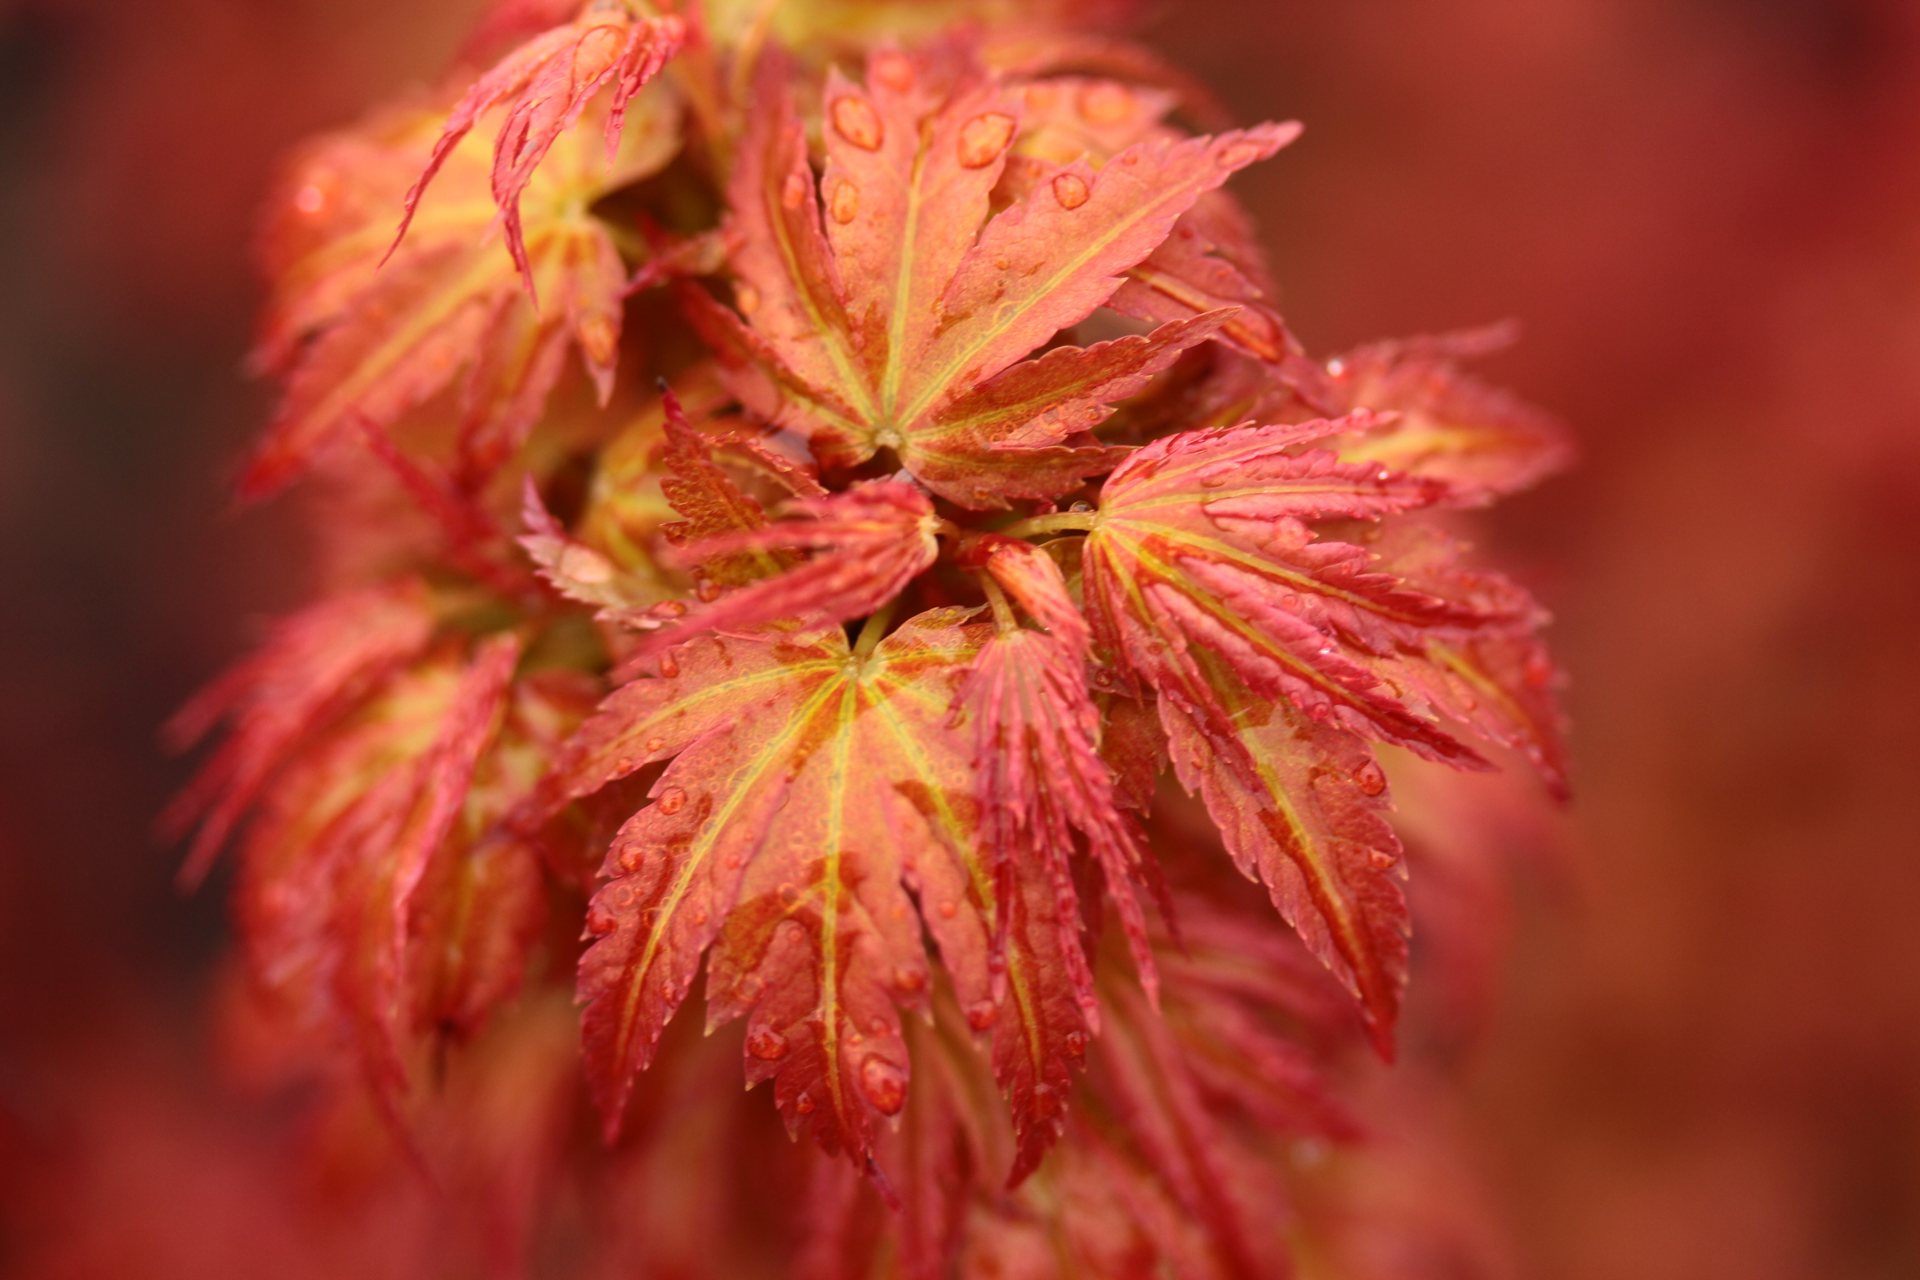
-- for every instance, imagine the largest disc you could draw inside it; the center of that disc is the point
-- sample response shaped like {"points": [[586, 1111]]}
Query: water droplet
{"points": [[599, 337], [1236, 153], [910, 980], [803, 1104], [1381, 859], [672, 800], [599, 921], [766, 1044], [984, 137], [747, 298], [891, 69], [631, 857], [1081, 508], [669, 666], [878, 1027], [707, 589], [1070, 189], [1077, 1043], [624, 765], [855, 120], [789, 892], [1105, 102], [1336, 367], [1370, 778], [948, 910], [884, 1084], [845, 204], [311, 199], [670, 609], [982, 1014]]}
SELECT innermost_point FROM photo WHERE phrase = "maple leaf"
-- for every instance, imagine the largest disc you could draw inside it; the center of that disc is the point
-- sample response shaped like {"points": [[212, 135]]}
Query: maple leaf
{"points": [[902, 321], [811, 788], [1042, 781], [575, 570], [1499, 683], [359, 343], [1179, 1154], [869, 543], [808, 786], [315, 665], [379, 892], [1483, 442], [1205, 580], [545, 85], [1210, 262]]}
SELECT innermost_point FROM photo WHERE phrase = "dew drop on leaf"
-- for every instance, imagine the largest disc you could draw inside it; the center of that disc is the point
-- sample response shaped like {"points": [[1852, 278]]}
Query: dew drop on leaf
{"points": [[672, 800], [708, 590], [982, 1014], [984, 137], [1370, 778], [599, 339], [803, 1104], [669, 666], [884, 1085], [845, 202], [910, 980], [794, 191], [1236, 153], [1380, 859], [1070, 189], [855, 120], [766, 1044]]}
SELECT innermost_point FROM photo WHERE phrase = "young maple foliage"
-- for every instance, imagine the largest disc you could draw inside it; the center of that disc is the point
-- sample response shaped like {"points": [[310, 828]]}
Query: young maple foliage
{"points": [[903, 320], [1000, 490]]}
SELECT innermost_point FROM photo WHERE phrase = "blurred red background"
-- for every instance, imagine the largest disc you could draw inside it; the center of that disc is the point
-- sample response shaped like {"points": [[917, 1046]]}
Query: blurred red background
{"points": [[1705, 1060]]}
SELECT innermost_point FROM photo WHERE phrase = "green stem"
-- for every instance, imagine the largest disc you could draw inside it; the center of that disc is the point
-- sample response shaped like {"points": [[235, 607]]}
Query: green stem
{"points": [[1060, 522], [874, 628], [1002, 611]]}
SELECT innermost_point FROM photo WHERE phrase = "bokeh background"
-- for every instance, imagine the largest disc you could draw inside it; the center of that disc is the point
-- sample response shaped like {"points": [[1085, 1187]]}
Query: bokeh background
{"points": [[1704, 1059]]}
